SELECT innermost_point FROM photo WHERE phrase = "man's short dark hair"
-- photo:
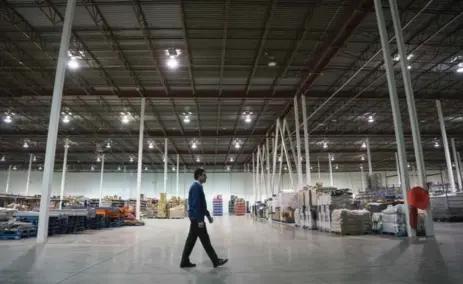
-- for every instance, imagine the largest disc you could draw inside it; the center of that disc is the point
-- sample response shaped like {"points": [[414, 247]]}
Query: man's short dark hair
{"points": [[198, 172]]}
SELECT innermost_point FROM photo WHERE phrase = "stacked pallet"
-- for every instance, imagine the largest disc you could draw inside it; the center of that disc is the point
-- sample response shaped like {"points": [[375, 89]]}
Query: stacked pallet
{"points": [[240, 207], [217, 206], [162, 206]]}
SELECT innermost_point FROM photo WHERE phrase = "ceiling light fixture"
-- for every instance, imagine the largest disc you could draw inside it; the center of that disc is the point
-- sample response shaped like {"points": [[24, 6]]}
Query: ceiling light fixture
{"points": [[66, 118], [371, 119], [131, 159], [228, 168], [26, 145], [436, 144], [8, 118], [40, 168], [237, 145], [173, 169], [172, 63], [336, 167], [108, 145], [34, 159], [119, 168], [193, 145], [98, 159], [460, 70], [364, 145], [363, 158], [92, 168], [325, 145], [3, 158], [146, 168], [198, 160], [150, 145], [125, 117], [231, 159], [14, 168], [332, 158], [247, 117], [73, 63]]}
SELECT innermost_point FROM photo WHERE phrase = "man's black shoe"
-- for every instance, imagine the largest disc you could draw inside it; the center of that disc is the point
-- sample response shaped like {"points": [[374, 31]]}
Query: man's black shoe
{"points": [[220, 262], [187, 265]]}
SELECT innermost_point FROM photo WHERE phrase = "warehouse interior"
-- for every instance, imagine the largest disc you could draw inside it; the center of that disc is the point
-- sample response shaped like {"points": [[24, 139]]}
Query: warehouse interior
{"points": [[330, 132]]}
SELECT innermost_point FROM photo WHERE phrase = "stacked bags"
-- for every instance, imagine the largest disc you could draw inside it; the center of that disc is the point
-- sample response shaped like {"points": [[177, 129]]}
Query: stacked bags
{"points": [[393, 220], [350, 222]]}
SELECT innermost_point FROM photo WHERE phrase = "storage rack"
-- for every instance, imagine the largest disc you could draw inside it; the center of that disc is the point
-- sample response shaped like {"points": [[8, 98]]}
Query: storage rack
{"points": [[217, 206]]}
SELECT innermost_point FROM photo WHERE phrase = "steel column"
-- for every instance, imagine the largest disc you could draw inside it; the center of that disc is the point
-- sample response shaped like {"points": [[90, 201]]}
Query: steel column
{"points": [[275, 154], [395, 108], [101, 177], [285, 150], [398, 168], [370, 166], [63, 174], [445, 142], [165, 165], [457, 164], [177, 174], [306, 141], [363, 177], [461, 165], [415, 127], [330, 165], [8, 179], [268, 186], [298, 142], [254, 176], [140, 157], [55, 112], [29, 169]]}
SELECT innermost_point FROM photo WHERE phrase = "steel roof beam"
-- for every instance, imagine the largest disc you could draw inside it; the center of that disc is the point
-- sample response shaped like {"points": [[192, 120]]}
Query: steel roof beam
{"points": [[17, 20]]}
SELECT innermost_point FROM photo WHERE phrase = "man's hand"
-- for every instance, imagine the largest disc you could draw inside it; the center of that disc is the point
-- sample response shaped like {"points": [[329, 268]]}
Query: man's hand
{"points": [[201, 225], [211, 220]]}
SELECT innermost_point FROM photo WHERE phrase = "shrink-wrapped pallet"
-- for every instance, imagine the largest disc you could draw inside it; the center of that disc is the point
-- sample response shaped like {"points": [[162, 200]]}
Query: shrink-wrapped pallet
{"points": [[393, 220], [350, 222]]}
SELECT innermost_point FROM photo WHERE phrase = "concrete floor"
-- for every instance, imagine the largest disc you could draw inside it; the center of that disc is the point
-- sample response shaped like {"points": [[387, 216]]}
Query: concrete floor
{"points": [[259, 253]]}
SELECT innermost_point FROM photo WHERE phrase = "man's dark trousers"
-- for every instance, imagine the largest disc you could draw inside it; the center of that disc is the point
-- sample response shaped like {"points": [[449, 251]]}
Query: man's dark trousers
{"points": [[201, 233]]}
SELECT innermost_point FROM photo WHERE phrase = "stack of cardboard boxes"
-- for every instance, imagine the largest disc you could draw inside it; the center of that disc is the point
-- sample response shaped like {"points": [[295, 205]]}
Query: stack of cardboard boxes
{"points": [[162, 206]]}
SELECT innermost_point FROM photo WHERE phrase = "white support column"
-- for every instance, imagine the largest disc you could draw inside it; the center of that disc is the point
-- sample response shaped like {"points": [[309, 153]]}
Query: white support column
{"points": [[460, 167], [414, 123], [457, 164], [63, 174], [445, 142], [28, 179], [55, 112], [141, 144], [268, 190], [263, 193], [8, 179], [165, 165], [177, 175], [254, 176], [101, 177], [275, 154], [363, 178], [258, 173], [280, 172], [398, 168], [306, 142], [370, 166], [285, 150], [395, 109], [291, 144], [298, 160], [331, 170]]}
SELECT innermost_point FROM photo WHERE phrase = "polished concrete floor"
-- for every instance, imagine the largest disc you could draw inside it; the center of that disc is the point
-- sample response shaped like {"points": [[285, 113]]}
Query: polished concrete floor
{"points": [[259, 252]]}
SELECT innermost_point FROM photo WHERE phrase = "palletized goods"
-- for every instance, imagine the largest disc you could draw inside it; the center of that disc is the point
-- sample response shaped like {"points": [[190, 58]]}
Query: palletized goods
{"points": [[350, 222], [393, 220], [217, 206], [177, 212]]}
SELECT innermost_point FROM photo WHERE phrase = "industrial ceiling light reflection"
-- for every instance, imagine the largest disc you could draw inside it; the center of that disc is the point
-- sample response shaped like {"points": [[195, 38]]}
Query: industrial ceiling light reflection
{"points": [[25, 145], [247, 117], [73, 63], [371, 119], [172, 63], [8, 119]]}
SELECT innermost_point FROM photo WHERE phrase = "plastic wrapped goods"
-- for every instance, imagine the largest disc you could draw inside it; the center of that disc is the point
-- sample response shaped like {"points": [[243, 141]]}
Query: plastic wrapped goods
{"points": [[350, 222], [393, 220]]}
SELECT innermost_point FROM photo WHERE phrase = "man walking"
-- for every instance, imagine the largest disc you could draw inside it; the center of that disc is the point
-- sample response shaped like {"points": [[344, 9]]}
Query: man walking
{"points": [[197, 210]]}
